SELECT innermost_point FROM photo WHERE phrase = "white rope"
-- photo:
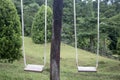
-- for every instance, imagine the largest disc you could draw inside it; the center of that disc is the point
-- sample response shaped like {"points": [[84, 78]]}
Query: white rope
{"points": [[98, 35], [45, 32], [23, 46], [74, 6]]}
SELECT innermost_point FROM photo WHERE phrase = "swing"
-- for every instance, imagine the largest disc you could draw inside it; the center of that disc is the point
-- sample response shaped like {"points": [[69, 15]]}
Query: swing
{"points": [[86, 68], [34, 67]]}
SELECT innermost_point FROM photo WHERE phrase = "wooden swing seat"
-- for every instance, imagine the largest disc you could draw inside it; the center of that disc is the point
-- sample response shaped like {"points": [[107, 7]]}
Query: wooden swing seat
{"points": [[34, 68], [86, 69]]}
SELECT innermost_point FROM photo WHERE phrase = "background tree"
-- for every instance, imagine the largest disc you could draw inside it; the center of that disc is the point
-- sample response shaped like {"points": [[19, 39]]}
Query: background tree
{"points": [[86, 26], [114, 23], [27, 2], [10, 32], [40, 2], [39, 23], [68, 28], [87, 31], [17, 5], [30, 8], [86, 20], [29, 14]]}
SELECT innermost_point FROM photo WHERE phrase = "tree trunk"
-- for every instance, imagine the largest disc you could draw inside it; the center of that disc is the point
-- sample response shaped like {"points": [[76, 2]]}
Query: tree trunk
{"points": [[104, 47], [56, 39], [91, 44]]}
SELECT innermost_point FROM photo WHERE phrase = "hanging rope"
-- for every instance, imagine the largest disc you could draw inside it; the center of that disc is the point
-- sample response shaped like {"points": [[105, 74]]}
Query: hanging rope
{"points": [[23, 46], [98, 35], [45, 46], [74, 6]]}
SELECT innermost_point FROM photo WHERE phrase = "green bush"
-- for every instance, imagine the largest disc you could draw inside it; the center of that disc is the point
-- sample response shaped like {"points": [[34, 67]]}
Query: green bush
{"points": [[10, 40], [38, 25]]}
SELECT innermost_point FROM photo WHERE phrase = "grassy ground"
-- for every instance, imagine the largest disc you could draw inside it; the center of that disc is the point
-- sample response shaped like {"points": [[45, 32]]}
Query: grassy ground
{"points": [[108, 69]]}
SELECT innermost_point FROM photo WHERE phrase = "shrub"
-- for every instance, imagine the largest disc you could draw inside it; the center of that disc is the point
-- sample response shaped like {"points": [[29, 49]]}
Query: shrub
{"points": [[38, 29], [10, 41]]}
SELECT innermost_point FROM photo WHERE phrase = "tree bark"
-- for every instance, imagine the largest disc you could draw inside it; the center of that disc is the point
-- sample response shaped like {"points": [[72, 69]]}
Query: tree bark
{"points": [[56, 40]]}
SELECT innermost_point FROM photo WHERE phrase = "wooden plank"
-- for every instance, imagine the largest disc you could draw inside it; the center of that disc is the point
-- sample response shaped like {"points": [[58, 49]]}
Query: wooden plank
{"points": [[87, 69], [34, 68]]}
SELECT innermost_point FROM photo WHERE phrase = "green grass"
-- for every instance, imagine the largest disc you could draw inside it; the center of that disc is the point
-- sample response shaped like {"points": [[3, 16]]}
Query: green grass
{"points": [[108, 69]]}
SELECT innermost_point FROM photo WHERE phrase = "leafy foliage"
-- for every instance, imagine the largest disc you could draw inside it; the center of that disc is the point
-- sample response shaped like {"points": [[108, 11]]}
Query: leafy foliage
{"points": [[29, 14], [30, 8], [114, 34], [86, 23], [10, 41], [38, 26], [118, 46]]}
